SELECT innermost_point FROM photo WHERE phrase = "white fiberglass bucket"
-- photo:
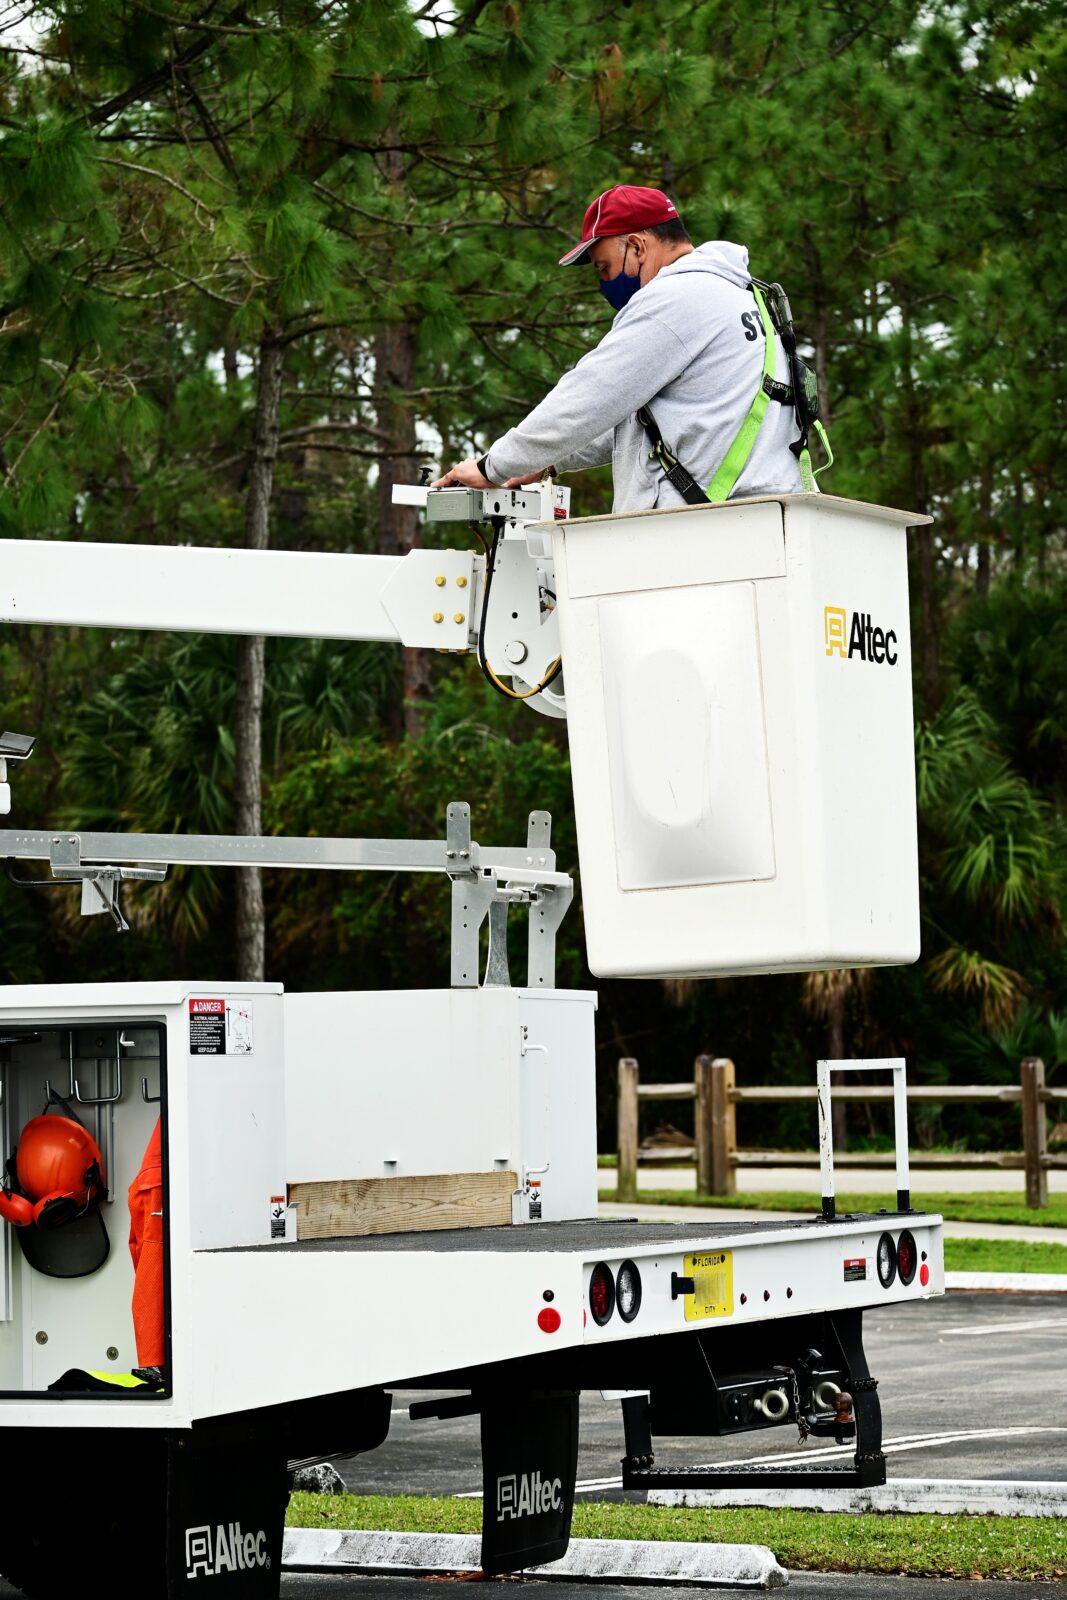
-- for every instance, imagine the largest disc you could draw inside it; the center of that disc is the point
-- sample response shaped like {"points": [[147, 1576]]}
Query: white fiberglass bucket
{"points": [[738, 685]]}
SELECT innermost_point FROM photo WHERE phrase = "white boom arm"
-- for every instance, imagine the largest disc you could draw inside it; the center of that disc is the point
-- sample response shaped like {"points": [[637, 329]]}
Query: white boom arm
{"points": [[190, 589], [427, 599]]}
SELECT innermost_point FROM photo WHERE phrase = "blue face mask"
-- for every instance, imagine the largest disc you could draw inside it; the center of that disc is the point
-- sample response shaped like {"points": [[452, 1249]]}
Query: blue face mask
{"points": [[618, 292]]}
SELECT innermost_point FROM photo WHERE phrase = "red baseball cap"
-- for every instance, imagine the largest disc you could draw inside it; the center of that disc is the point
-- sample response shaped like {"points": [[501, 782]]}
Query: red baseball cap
{"points": [[622, 209]]}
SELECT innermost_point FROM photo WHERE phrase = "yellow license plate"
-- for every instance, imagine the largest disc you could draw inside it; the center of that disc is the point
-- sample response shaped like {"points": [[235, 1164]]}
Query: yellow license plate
{"points": [[713, 1285]]}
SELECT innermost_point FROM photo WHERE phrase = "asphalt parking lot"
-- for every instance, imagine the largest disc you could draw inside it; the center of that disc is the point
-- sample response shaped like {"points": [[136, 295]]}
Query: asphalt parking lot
{"points": [[803, 1585]]}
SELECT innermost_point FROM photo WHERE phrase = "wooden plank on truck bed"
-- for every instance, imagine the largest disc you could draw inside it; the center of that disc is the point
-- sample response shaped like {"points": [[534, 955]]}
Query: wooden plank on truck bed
{"points": [[348, 1208]]}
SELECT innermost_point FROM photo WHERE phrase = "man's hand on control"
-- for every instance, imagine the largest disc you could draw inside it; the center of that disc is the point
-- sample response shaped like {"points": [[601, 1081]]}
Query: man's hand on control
{"points": [[466, 474]]}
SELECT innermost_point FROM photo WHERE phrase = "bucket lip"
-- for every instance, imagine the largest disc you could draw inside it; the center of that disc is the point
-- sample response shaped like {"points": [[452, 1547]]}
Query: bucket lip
{"points": [[811, 502]]}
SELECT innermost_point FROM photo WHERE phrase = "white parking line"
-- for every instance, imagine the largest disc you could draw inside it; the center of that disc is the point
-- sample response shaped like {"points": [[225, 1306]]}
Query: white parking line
{"points": [[1004, 1327], [905, 1441]]}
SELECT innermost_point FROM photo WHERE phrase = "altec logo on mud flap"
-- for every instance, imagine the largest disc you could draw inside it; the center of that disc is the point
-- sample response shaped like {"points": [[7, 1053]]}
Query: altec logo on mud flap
{"points": [[223, 1548], [527, 1496], [857, 636]]}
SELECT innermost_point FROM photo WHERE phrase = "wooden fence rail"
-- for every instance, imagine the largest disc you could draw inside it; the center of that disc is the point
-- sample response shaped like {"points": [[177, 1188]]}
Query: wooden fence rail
{"points": [[715, 1090]]}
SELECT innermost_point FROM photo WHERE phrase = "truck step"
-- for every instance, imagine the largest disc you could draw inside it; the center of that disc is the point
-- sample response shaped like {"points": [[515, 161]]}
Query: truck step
{"points": [[830, 1475]]}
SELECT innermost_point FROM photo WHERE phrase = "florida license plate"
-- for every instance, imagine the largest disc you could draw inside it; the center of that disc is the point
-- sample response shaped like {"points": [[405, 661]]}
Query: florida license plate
{"points": [[713, 1285]]}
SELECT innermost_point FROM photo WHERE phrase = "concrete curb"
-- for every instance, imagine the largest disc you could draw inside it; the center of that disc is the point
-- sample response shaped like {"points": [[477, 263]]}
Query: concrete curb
{"points": [[748, 1566], [948, 1496], [1030, 1282]]}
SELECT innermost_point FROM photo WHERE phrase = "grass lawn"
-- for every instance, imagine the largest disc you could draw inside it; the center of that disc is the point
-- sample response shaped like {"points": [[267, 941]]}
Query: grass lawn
{"points": [[981, 1207], [1026, 1548], [1004, 1255]]}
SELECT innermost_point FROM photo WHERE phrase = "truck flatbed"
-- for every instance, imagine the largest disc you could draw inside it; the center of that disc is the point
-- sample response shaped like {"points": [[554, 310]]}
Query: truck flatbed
{"points": [[600, 1234]]}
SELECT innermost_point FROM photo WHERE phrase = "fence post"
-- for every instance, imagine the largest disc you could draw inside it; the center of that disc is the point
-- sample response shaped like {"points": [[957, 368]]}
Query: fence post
{"points": [[626, 1185], [702, 1128], [723, 1077], [1035, 1145]]}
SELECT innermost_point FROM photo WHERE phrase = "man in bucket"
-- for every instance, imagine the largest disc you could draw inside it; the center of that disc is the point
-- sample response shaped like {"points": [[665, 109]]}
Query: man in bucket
{"points": [[687, 349]]}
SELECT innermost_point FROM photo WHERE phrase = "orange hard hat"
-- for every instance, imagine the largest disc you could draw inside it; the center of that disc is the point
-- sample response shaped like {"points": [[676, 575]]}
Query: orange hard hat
{"points": [[59, 1168]]}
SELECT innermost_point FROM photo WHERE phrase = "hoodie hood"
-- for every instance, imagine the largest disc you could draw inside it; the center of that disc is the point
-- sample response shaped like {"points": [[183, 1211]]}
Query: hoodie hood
{"points": [[726, 260]]}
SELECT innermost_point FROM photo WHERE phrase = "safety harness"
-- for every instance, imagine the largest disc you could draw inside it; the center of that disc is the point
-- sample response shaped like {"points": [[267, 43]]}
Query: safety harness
{"points": [[802, 393]]}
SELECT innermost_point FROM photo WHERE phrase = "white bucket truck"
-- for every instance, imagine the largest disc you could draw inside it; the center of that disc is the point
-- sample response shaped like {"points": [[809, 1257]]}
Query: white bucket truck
{"points": [[364, 1191]]}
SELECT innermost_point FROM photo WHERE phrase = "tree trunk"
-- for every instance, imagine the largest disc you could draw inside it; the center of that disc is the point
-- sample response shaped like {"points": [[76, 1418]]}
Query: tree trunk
{"points": [[248, 705], [923, 542], [985, 529], [398, 526]]}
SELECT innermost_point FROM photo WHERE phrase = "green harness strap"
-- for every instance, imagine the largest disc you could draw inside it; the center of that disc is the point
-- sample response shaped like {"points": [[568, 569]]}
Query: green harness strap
{"points": [[721, 486], [724, 481], [805, 459]]}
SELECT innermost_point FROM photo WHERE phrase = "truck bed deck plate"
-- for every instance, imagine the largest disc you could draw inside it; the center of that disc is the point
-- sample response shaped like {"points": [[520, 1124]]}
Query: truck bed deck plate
{"points": [[601, 1236]]}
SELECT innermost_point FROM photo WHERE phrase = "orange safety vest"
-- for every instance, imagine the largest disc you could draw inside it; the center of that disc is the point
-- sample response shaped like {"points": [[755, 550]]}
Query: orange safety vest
{"points": [[146, 1248]]}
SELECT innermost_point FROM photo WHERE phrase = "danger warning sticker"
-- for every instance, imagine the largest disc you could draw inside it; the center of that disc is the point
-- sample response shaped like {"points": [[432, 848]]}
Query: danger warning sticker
{"points": [[856, 1269], [220, 1027]]}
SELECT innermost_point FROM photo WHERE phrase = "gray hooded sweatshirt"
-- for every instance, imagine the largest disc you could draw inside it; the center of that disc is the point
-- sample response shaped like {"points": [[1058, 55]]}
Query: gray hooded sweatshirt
{"points": [[689, 345]]}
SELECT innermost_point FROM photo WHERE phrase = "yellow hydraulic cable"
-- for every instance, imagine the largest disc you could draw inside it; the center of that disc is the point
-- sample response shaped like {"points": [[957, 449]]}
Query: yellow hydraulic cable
{"points": [[502, 688], [513, 694]]}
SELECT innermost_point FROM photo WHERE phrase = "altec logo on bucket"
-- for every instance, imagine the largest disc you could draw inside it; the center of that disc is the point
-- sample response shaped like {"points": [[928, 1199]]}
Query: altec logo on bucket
{"points": [[857, 636], [528, 1495], [223, 1548]]}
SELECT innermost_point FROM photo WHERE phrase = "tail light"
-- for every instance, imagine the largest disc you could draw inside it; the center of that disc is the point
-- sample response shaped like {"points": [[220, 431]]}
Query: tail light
{"points": [[601, 1293], [628, 1291], [907, 1257], [886, 1260]]}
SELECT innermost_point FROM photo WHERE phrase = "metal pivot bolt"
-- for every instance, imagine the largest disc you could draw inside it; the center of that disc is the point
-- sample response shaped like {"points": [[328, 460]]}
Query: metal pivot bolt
{"points": [[459, 617], [438, 616], [440, 580]]}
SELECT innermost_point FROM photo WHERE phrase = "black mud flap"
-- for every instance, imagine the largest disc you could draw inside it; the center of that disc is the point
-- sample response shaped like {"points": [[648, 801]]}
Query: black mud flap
{"points": [[227, 1489], [529, 1466], [155, 1514]]}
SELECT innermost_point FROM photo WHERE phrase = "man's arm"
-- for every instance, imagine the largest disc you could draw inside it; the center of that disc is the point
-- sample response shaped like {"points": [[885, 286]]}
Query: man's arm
{"points": [[597, 453], [574, 424], [477, 472]]}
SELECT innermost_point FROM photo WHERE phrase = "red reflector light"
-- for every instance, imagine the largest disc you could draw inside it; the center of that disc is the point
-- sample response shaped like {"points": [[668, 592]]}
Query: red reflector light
{"points": [[549, 1319], [924, 1274], [601, 1293]]}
